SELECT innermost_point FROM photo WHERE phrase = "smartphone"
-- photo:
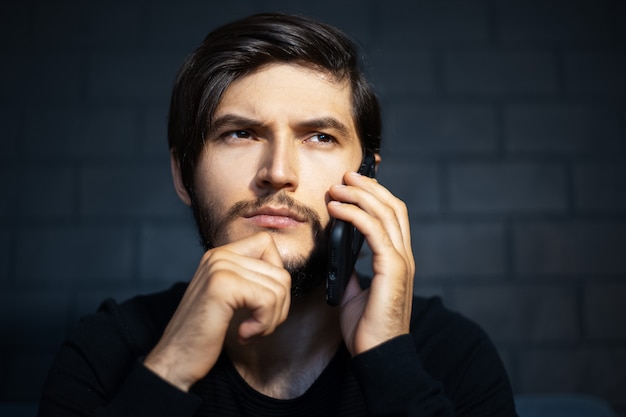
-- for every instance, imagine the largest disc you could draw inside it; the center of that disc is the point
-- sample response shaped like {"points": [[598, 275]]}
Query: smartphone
{"points": [[344, 245]]}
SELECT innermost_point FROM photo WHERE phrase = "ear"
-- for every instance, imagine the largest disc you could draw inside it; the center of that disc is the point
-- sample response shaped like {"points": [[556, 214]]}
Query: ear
{"points": [[377, 159], [177, 177]]}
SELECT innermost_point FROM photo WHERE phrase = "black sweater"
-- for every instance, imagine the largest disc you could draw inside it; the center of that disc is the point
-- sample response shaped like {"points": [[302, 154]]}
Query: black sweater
{"points": [[447, 366]]}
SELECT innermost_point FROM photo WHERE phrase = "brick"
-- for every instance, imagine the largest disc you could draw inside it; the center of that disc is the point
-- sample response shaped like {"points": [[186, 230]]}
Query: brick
{"points": [[9, 120], [46, 191], [421, 287], [425, 22], [166, 31], [596, 371], [440, 129], [87, 25], [13, 31], [8, 190], [396, 71], [154, 129], [128, 20], [82, 254], [596, 72], [507, 357], [69, 15], [558, 21], [507, 187], [139, 189], [600, 187], [11, 67], [43, 75], [563, 129], [33, 320], [25, 376], [415, 184], [571, 248], [351, 16], [604, 311], [451, 250], [5, 256], [538, 313], [53, 129], [108, 130], [489, 72], [618, 18], [133, 76], [169, 253], [72, 131]]}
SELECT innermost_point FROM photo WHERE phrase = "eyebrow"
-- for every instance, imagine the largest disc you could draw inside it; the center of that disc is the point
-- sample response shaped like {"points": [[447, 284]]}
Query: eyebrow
{"points": [[232, 121], [326, 123]]}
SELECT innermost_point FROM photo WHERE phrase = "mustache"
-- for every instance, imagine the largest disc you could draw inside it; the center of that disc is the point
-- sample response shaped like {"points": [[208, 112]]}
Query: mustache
{"points": [[212, 228], [245, 208]]}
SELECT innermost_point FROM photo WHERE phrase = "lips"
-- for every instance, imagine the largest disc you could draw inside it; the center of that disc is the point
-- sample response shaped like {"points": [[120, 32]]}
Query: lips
{"points": [[275, 217]]}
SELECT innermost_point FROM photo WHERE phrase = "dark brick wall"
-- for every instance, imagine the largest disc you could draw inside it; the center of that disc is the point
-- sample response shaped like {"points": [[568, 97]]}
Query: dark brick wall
{"points": [[505, 134]]}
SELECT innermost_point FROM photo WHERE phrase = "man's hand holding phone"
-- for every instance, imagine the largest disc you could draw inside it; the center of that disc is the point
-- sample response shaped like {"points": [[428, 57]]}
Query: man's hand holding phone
{"points": [[372, 316], [344, 244]]}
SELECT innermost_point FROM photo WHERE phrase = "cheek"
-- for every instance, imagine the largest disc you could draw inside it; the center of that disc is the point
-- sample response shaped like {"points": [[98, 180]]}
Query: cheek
{"points": [[221, 181], [320, 196]]}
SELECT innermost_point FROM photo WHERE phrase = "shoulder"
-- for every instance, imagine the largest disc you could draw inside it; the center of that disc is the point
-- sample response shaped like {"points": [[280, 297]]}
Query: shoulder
{"points": [[101, 351], [137, 323], [441, 332], [454, 349], [432, 322]]}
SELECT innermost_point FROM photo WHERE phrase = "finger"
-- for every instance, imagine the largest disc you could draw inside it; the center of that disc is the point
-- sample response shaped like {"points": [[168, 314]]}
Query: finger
{"points": [[259, 298], [257, 282], [382, 193], [367, 213], [269, 264], [260, 245], [251, 268]]}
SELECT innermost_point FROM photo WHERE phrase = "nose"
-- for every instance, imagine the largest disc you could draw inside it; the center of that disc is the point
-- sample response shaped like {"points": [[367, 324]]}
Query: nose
{"points": [[278, 168]]}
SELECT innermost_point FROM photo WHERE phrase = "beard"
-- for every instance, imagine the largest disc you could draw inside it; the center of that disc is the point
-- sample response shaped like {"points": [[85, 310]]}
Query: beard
{"points": [[307, 271]]}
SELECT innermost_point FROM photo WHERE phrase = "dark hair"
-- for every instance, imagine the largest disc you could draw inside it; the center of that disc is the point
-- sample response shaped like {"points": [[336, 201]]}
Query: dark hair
{"points": [[241, 47]]}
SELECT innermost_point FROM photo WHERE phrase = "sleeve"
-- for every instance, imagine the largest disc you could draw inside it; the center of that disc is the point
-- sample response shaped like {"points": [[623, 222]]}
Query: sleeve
{"points": [[394, 383], [98, 372], [448, 366], [145, 394]]}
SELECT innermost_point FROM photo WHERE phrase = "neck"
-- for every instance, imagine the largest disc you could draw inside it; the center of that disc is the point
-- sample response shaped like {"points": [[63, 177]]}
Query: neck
{"points": [[286, 363]]}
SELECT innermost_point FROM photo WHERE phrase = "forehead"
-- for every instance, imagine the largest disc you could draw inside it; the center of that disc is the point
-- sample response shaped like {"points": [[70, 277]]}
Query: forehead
{"points": [[290, 90]]}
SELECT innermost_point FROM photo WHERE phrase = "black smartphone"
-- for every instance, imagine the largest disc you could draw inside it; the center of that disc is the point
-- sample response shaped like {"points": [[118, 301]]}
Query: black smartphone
{"points": [[344, 245]]}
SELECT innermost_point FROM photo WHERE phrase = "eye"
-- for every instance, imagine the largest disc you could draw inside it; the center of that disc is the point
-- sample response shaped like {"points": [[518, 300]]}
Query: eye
{"points": [[236, 134], [321, 138], [241, 134]]}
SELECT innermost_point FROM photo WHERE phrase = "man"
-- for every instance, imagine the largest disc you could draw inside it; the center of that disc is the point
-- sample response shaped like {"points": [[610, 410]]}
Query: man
{"points": [[269, 119]]}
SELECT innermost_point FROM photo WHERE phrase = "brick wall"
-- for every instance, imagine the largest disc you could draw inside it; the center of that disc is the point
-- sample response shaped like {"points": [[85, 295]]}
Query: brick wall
{"points": [[505, 134]]}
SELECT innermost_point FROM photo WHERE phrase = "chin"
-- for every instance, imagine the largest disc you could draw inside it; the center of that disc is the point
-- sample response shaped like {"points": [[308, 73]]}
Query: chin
{"points": [[307, 271], [291, 254]]}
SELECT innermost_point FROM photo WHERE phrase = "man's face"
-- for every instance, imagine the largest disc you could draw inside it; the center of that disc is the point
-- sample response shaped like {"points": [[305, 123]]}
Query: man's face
{"points": [[282, 136]]}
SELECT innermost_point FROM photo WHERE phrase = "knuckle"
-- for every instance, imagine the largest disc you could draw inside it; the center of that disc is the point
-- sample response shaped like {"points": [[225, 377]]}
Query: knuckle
{"points": [[402, 208], [219, 265], [389, 212]]}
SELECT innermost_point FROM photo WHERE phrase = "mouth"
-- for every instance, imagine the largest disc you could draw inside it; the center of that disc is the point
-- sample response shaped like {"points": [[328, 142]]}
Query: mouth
{"points": [[275, 217]]}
